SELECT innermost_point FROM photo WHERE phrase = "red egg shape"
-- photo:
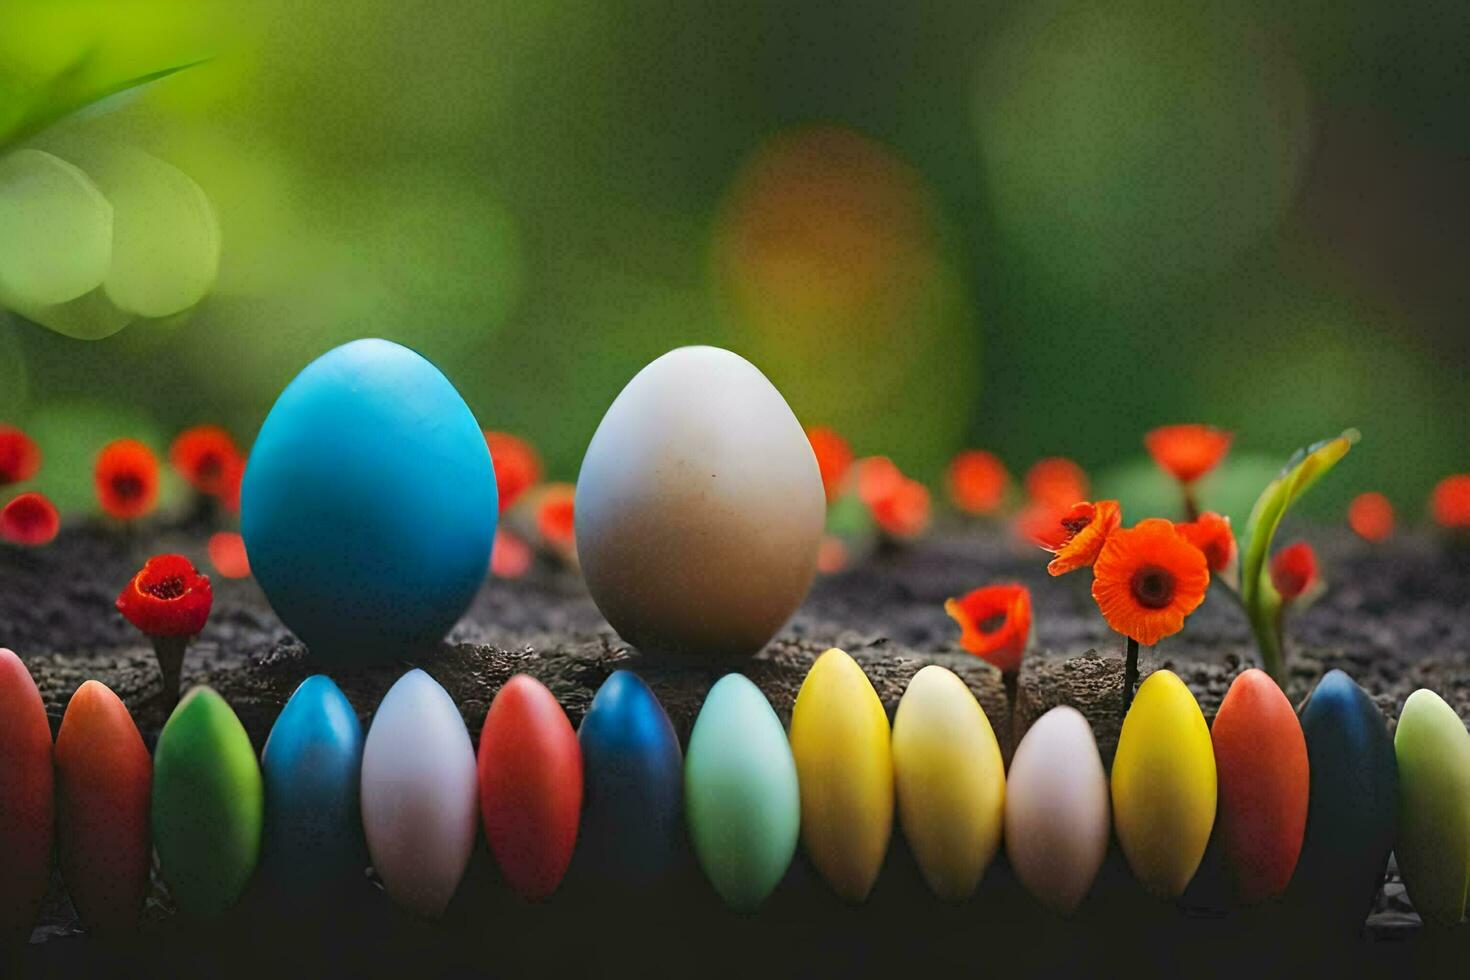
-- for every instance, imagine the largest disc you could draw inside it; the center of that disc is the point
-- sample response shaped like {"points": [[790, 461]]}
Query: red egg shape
{"points": [[26, 813], [530, 786], [1261, 761], [103, 780]]}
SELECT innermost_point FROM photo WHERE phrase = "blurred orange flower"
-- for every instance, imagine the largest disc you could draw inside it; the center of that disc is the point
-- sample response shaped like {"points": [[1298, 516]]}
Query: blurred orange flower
{"points": [[1040, 523], [877, 477], [834, 457], [1147, 579], [126, 479], [977, 482], [227, 554], [1056, 480], [1085, 526], [1187, 452], [1371, 516], [556, 515], [1294, 570], [207, 457], [1211, 534], [517, 466], [903, 512], [1450, 502], [1006, 608]]}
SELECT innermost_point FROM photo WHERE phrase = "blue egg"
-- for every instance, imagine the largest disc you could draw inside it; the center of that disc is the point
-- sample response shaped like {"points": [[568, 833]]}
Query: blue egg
{"points": [[1352, 809], [632, 835], [369, 504], [311, 766]]}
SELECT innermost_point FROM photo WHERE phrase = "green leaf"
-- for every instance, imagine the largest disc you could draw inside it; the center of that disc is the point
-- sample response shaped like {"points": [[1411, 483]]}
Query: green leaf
{"points": [[55, 231], [91, 316], [1262, 601]]}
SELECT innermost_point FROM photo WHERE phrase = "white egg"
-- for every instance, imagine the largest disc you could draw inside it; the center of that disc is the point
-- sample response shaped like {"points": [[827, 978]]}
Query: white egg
{"points": [[419, 794], [1057, 810], [699, 507]]}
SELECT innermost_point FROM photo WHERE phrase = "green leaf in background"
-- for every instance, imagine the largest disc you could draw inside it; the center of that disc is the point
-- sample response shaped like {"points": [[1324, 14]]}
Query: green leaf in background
{"points": [[1262, 601], [91, 316], [55, 231]]}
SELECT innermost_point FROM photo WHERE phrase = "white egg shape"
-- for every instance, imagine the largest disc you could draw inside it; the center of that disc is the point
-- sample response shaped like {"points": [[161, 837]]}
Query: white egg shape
{"points": [[419, 794], [1057, 810], [699, 507]]}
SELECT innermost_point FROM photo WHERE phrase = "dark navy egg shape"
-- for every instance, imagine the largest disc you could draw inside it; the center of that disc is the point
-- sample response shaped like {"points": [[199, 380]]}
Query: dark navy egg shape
{"points": [[312, 764], [633, 798], [1352, 804]]}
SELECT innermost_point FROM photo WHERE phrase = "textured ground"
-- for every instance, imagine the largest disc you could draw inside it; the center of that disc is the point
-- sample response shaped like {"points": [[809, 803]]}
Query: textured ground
{"points": [[1395, 618]]}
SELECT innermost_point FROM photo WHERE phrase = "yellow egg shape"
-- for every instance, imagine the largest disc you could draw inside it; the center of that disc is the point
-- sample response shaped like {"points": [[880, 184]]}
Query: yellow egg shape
{"points": [[950, 781], [844, 766], [1164, 785]]}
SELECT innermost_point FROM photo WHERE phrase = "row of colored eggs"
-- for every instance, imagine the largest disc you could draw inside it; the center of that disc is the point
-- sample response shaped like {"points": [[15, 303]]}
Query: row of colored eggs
{"points": [[1322, 800]]}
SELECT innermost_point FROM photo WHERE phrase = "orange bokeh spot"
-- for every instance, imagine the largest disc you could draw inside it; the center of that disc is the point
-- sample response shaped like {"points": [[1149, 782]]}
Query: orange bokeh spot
{"points": [[1085, 527], [126, 479], [1294, 570], [834, 457], [1449, 505], [556, 515], [227, 554], [995, 623], [1147, 579], [831, 555], [1187, 452], [977, 482], [30, 519], [511, 557], [517, 466], [903, 512], [20, 457], [208, 458], [1211, 534], [1056, 480], [1371, 516]]}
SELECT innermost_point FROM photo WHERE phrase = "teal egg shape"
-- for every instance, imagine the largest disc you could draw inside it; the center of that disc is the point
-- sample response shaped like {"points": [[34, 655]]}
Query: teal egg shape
{"points": [[368, 506], [741, 798]]}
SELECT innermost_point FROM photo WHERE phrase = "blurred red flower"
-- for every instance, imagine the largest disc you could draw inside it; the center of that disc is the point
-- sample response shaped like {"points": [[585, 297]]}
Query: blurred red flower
{"points": [[1450, 502], [1056, 480], [20, 457], [207, 457], [30, 519], [1371, 516], [227, 554], [1187, 452], [517, 466], [1294, 570], [126, 478], [977, 482], [834, 457]]}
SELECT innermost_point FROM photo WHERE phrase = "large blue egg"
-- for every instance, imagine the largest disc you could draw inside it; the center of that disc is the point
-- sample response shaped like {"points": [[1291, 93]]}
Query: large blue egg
{"points": [[632, 835], [369, 503], [311, 766], [1352, 809]]}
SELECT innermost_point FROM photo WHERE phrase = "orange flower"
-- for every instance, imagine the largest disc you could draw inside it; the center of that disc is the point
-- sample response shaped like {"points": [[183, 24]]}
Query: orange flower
{"points": [[227, 554], [1085, 527], [877, 477], [1450, 502], [1371, 516], [1056, 480], [517, 467], [977, 482], [29, 519], [1148, 579], [207, 457], [1041, 524], [1294, 570], [556, 515], [126, 478], [1008, 608], [20, 458], [903, 512], [834, 457], [1187, 452], [1211, 535]]}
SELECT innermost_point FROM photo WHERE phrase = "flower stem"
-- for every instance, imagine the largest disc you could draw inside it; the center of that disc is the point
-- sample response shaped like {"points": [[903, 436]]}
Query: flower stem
{"points": [[1191, 505], [170, 653], [1130, 673]]}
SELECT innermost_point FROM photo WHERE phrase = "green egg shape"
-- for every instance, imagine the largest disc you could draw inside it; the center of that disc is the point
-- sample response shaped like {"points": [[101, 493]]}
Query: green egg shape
{"points": [[741, 798], [1433, 846], [208, 804]]}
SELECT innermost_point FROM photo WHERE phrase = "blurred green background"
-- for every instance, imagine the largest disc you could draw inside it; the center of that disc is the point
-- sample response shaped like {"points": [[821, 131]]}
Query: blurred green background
{"points": [[1034, 227]]}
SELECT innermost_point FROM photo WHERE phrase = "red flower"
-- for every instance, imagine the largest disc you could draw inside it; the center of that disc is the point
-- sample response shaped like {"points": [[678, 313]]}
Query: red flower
{"points": [[1057, 481], [517, 466], [207, 457], [1294, 570], [168, 597], [904, 511], [1450, 502], [877, 477], [977, 482], [20, 457], [556, 515], [229, 494], [1147, 579], [126, 477], [227, 554], [1211, 534], [834, 457], [1371, 516], [511, 557], [1187, 452], [1085, 527], [29, 519], [1007, 610]]}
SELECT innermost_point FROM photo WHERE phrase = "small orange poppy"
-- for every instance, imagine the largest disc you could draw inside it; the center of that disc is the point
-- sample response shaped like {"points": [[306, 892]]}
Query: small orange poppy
{"points": [[207, 457], [1056, 480], [1294, 570], [517, 466], [977, 482], [1147, 579], [227, 554], [556, 515], [903, 512], [1187, 452], [1211, 534], [1450, 502], [1370, 515], [126, 479], [1007, 609], [1085, 527], [20, 457], [834, 457], [30, 519]]}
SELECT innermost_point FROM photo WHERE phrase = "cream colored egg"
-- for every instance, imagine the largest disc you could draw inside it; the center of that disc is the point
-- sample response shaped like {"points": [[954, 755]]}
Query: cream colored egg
{"points": [[950, 781], [699, 507], [1057, 810]]}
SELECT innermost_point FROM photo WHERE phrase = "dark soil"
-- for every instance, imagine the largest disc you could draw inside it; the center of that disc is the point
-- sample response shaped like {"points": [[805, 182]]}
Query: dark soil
{"points": [[1394, 617]]}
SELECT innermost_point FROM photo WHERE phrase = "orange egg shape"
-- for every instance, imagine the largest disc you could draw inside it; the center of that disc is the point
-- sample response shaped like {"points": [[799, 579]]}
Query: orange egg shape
{"points": [[103, 779], [1261, 764], [26, 808]]}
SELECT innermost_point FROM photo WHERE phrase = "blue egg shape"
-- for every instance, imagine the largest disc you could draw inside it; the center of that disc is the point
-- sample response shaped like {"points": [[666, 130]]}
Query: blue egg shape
{"points": [[369, 506], [1352, 808], [313, 757], [632, 835]]}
